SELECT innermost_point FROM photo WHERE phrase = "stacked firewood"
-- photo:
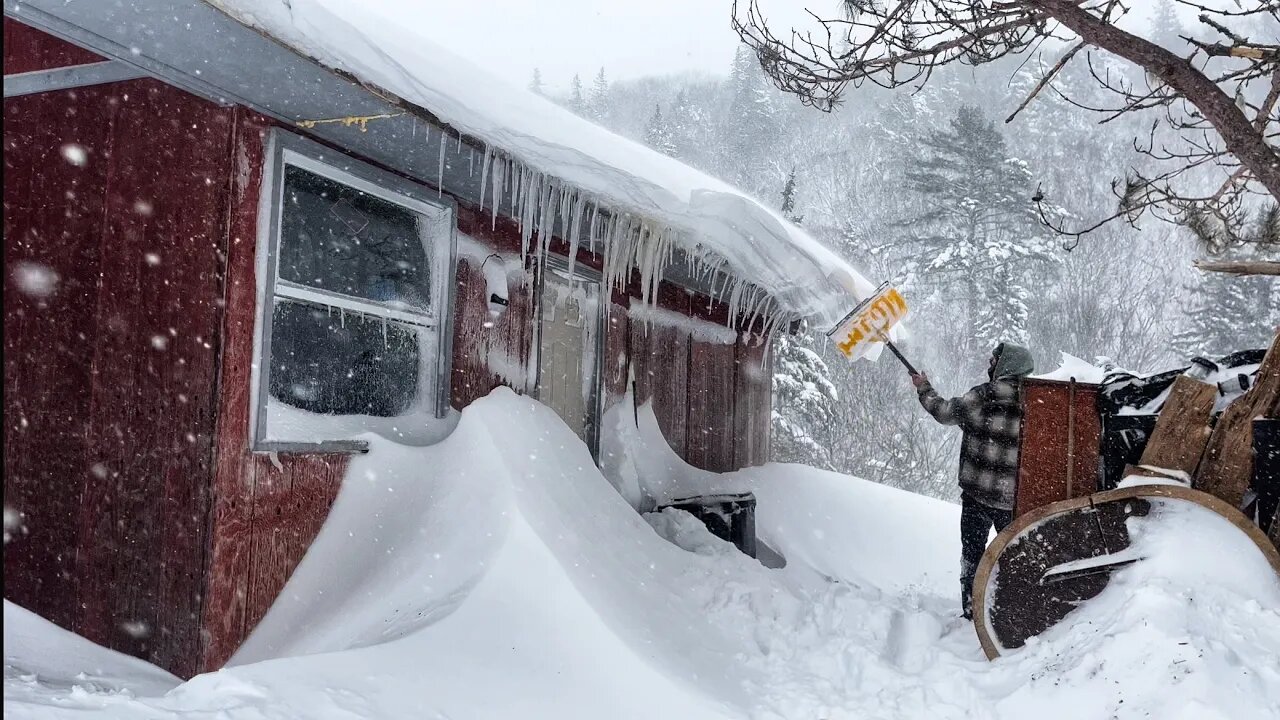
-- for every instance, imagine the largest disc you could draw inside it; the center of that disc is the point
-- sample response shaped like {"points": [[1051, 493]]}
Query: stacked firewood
{"points": [[1221, 457]]}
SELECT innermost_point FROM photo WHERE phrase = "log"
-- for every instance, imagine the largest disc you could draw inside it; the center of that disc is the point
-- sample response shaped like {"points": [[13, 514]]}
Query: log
{"points": [[1154, 472], [1227, 466], [1182, 430], [1244, 267]]}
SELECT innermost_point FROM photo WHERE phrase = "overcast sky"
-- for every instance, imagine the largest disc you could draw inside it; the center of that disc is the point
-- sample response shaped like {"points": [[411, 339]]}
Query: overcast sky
{"points": [[629, 38]]}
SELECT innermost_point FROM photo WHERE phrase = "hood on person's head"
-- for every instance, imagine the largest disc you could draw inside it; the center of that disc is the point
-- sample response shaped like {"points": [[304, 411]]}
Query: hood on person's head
{"points": [[1011, 361]]}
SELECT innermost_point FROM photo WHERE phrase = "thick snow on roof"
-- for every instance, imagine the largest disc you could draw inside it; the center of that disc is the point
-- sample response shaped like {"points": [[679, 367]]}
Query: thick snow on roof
{"points": [[709, 218]]}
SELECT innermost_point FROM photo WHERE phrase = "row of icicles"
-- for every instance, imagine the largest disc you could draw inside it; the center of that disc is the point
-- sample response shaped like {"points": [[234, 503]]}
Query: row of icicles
{"points": [[539, 201]]}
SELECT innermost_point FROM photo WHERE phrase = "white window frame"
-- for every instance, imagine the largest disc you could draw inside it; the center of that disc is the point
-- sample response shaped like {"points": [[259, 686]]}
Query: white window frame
{"points": [[284, 149]]}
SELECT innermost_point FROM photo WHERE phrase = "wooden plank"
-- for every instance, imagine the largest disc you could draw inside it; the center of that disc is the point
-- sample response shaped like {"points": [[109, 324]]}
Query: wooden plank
{"points": [[616, 342], [472, 377], [27, 49], [753, 401], [290, 505], [227, 565], [1044, 446], [665, 370], [1227, 466], [1182, 429], [49, 337], [711, 406], [712, 371], [152, 407], [127, 423]]}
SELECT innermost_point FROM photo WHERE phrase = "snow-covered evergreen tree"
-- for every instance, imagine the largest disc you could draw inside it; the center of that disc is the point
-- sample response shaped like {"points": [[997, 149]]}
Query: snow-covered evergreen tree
{"points": [[598, 98], [978, 238], [789, 198], [577, 101], [535, 83], [658, 135], [751, 126], [804, 401], [804, 397]]}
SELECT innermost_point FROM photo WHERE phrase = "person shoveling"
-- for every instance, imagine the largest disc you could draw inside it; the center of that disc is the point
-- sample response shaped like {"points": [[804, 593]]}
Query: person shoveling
{"points": [[989, 414]]}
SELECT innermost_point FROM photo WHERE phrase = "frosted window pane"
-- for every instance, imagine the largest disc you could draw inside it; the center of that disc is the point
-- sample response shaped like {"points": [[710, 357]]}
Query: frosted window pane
{"points": [[340, 362], [334, 237]]}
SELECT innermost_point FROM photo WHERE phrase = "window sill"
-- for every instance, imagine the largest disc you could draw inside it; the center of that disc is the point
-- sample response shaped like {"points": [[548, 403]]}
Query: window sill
{"points": [[327, 447]]}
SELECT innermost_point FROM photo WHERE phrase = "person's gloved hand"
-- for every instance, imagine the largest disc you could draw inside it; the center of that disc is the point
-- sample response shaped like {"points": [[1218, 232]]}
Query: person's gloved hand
{"points": [[919, 379]]}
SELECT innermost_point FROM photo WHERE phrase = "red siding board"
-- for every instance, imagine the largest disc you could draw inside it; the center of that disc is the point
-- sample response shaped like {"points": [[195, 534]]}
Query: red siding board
{"points": [[1043, 460], [264, 518], [711, 406], [753, 402], [231, 517], [27, 49], [660, 357], [47, 341], [616, 341], [127, 434], [712, 379]]}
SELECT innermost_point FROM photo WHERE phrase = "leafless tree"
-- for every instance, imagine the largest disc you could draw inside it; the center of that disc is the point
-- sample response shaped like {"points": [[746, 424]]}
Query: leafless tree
{"points": [[1215, 106]]}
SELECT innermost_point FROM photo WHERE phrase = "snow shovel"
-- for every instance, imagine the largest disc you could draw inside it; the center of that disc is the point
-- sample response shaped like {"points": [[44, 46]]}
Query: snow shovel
{"points": [[869, 323]]}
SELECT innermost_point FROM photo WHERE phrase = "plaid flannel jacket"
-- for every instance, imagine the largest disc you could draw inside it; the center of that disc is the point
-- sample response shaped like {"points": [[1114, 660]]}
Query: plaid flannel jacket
{"points": [[990, 415]]}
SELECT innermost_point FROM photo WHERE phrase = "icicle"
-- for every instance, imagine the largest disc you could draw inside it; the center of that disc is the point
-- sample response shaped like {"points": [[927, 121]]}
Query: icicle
{"points": [[485, 162], [498, 184], [574, 228], [459, 148], [440, 167], [471, 164]]}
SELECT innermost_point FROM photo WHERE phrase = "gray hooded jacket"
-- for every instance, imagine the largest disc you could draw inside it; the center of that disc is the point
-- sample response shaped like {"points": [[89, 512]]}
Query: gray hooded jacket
{"points": [[990, 415]]}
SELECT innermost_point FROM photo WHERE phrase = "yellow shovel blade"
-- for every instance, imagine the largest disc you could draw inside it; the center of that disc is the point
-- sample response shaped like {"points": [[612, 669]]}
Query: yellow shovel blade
{"points": [[870, 323]]}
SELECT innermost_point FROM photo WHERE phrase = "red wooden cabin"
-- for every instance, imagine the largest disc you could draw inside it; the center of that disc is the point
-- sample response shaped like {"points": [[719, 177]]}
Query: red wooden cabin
{"points": [[202, 294]]}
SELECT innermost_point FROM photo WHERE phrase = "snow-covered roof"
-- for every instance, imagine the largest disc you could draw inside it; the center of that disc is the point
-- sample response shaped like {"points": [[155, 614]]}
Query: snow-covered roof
{"points": [[662, 202]]}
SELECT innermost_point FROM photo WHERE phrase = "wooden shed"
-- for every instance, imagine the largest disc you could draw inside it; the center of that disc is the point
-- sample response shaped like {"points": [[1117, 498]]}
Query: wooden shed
{"points": [[223, 258]]}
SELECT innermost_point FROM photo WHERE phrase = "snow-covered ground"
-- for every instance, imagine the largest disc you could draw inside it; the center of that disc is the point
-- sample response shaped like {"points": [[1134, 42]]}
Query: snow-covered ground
{"points": [[499, 574]]}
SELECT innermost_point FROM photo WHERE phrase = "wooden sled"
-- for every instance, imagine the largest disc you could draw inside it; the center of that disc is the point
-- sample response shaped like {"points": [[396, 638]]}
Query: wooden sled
{"points": [[1056, 557]]}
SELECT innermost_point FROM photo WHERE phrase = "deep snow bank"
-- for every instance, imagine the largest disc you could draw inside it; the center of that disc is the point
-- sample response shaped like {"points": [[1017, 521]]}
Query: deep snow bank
{"points": [[499, 574]]}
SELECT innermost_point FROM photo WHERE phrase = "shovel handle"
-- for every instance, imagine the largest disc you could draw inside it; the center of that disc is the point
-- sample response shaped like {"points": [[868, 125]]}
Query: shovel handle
{"points": [[898, 354]]}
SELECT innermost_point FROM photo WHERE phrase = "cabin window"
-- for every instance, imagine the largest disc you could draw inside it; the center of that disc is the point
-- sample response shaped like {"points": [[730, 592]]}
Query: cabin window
{"points": [[353, 303]]}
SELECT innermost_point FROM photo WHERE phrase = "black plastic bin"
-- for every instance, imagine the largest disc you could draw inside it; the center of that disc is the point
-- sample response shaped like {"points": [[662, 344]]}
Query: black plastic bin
{"points": [[1124, 437], [730, 517]]}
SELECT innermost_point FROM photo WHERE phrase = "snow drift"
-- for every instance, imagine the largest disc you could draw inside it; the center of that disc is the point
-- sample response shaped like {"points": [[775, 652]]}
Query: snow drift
{"points": [[499, 574]]}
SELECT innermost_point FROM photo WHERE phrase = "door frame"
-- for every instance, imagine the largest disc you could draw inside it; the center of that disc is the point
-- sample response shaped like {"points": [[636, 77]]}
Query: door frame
{"points": [[595, 406]]}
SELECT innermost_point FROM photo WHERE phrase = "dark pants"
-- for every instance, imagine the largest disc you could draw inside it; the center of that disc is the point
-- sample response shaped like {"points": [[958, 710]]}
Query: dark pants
{"points": [[976, 521]]}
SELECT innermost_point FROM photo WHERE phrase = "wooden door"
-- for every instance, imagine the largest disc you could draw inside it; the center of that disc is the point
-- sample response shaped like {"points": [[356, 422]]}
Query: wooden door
{"points": [[569, 349]]}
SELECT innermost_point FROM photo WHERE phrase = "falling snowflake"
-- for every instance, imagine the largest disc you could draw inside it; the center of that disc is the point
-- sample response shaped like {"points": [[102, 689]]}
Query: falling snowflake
{"points": [[75, 154], [152, 258], [144, 208], [34, 279], [159, 342], [13, 524], [135, 629]]}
